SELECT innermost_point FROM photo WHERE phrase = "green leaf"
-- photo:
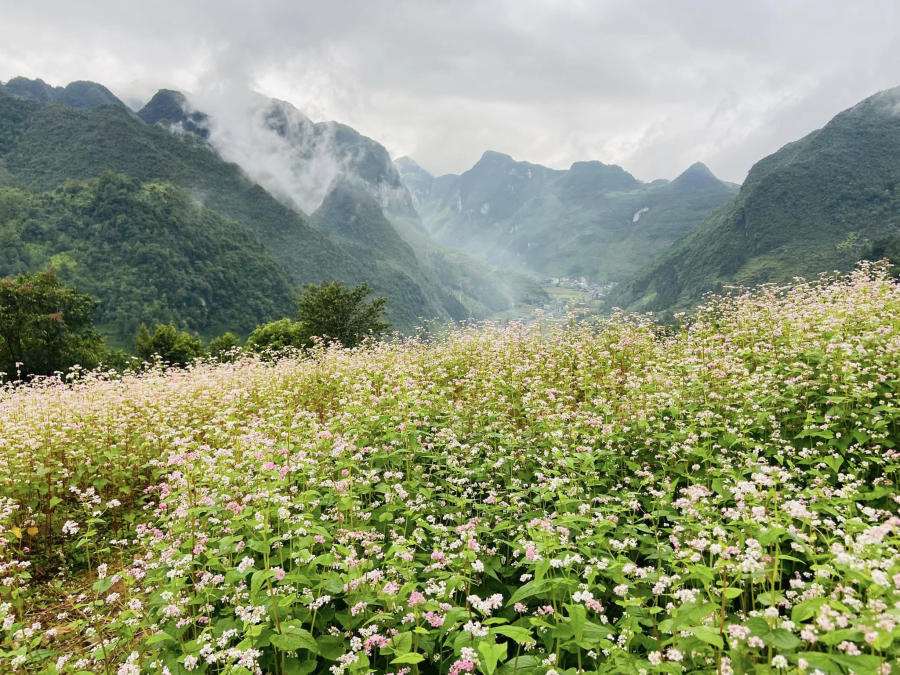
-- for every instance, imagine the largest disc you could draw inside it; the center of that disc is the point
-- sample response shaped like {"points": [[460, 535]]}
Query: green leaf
{"points": [[491, 652], [708, 635], [515, 633], [411, 658], [806, 609], [257, 580], [577, 617], [783, 639], [528, 590], [295, 639], [522, 665], [330, 647], [298, 667]]}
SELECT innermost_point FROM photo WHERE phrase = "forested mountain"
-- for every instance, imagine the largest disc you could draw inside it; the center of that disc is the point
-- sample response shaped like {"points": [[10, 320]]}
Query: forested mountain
{"points": [[148, 252], [818, 204], [43, 145], [79, 94], [593, 220], [171, 108], [332, 169]]}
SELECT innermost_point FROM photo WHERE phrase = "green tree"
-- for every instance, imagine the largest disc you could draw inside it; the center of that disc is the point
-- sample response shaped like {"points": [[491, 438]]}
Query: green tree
{"points": [[168, 343], [276, 335], [223, 347], [332, 311], [45, 326]]}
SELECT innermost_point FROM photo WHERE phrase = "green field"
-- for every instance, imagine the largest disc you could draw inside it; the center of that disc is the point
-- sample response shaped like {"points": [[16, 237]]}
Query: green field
{"points": [[605, 497]]}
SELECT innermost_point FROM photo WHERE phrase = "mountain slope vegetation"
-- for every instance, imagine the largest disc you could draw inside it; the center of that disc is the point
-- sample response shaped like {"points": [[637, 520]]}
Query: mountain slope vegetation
{"points": [[148, 252], [42, 146], [818, 204], [593, 220], [80, 94]]}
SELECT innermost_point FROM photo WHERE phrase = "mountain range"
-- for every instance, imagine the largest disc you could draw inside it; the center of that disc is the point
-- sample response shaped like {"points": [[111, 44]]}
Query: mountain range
{"points": [[46, 142], [592, 220], [819, 204], [214, 217]]}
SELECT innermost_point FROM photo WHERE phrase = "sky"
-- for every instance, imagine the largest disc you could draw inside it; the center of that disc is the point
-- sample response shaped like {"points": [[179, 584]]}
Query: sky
{"points": [[650, 85]]}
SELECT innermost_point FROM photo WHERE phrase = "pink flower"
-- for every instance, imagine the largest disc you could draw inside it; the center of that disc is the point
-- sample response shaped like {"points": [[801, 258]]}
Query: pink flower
{"points": [[462, 666], [436, 620], [416, 598]]}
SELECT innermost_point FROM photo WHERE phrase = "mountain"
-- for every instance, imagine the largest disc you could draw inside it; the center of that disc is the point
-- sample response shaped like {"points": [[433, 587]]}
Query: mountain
{"points": [[333, 170], [79, 94], [593, 220], [818, 204], [352, 217], [44, 145], [171, 108], [148, 252]]}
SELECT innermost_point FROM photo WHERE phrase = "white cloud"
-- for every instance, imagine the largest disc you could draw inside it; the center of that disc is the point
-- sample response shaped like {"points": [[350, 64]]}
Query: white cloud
{"points": [[652, 85]]}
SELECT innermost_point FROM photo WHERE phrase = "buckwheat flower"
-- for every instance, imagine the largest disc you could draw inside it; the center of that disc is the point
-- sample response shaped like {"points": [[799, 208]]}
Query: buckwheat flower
{"points": [[190, 662], [621, 589], [245, 564], [655, 658], [673, 654], [70, 527], [416, 598], [779, 662]]}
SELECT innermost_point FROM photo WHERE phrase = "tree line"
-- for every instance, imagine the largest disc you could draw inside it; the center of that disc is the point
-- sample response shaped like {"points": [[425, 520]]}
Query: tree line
{"points": [[46, 327]]}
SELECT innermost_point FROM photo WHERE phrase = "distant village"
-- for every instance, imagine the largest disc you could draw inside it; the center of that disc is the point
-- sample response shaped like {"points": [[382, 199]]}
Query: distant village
{"points": [[578, 295]]}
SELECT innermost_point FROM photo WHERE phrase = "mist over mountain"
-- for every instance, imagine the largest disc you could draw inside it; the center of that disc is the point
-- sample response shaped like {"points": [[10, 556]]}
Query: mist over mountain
{"points": [[218, 160], [593, 220], [819, 204], [325, 202]]}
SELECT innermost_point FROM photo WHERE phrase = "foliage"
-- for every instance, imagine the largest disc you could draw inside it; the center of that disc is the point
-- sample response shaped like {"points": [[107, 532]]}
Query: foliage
{"points": [[148, 252], [504, 500], [329, 311], [167, 343], [277, 336], [224, 347], [341, 314], [45, 326]]}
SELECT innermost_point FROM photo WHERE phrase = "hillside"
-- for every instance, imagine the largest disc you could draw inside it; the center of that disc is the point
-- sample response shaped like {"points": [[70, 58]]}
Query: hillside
{"points": [[593, 220], [351, 217], [81, 94], [591, 497], [336, 173], [42, 146], [148, 252], [819, 204]]}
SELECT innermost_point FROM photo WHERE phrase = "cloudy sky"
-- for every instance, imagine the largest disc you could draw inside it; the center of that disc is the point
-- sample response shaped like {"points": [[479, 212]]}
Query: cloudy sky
{"points": [[653, 86]]}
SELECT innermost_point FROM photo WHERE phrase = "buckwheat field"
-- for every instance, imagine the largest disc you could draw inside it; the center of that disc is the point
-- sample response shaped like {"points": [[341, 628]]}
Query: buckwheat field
{"points": [[592, 497]]}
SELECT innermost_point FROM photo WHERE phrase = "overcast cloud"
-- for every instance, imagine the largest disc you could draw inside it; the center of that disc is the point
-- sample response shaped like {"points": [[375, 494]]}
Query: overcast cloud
{"points": [[653, 86]]}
